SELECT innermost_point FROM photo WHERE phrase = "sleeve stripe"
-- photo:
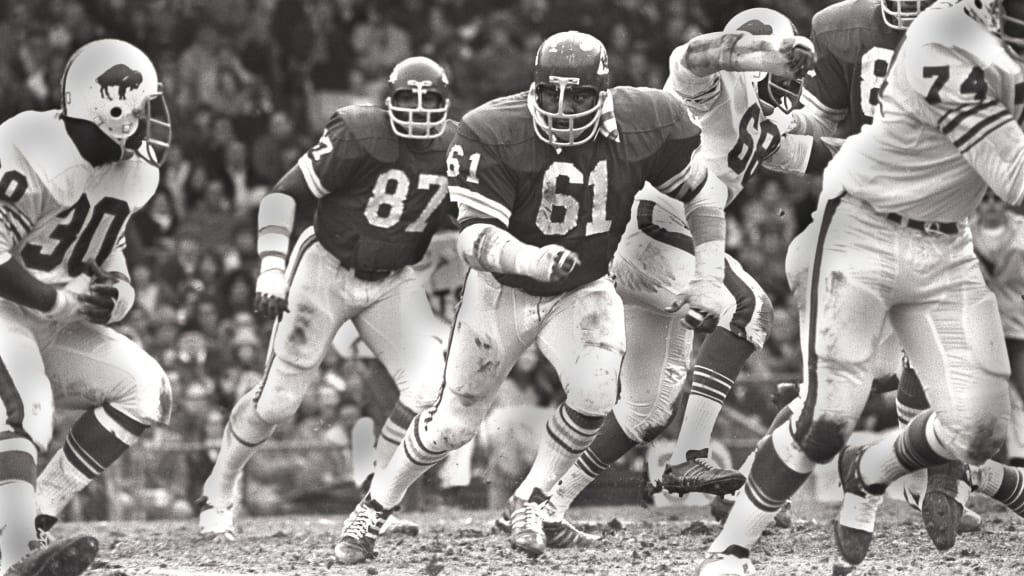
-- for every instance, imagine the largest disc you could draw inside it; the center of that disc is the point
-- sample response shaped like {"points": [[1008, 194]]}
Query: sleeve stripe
{"points": [[980, 125], [684, 185], [18, 216], [982, 136], [309, 175], [709, 93], [952, 111], [960, 117], [480, 203]]}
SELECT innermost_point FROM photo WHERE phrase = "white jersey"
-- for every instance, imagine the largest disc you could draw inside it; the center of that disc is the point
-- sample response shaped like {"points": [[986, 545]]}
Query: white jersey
{"points": [[947, 127], [735, 135], [58, 212]]}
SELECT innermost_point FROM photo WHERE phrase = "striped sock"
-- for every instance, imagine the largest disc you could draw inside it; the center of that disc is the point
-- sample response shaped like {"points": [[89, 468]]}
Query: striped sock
{"points": [[719, 361], [777, 472], [611, 443], [569, 433], [391, 435], [408, 463], [913, 448], [97, 440], [1002, 482]]}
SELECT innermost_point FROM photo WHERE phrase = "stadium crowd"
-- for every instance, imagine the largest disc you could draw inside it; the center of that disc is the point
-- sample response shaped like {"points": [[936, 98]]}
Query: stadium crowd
{"points": [[249, 84]]}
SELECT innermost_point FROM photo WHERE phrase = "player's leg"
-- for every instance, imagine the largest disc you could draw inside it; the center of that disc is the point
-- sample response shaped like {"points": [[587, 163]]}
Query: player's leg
{"points": [[123, 391], [1015, 434], [493, 326], [583, 335], [741, 332], [401, 331], [26, 425], [298, 343], [845, 316], [949, 338], [653, 372]]}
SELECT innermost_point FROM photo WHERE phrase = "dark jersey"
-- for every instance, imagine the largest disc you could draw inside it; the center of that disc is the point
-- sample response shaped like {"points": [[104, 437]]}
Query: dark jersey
{"points": [[579, 198], [855, 49], [380, 197]]}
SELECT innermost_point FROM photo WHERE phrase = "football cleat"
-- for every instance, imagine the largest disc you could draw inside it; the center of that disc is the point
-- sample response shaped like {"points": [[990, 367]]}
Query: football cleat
{"points": [[698, 474], [360, 532], [734, 561], [504, 521], [856, 525], [970, 522], [527, 527], [396, 525], [562, 534], [69, 557], [216, 522], [942, 507]]}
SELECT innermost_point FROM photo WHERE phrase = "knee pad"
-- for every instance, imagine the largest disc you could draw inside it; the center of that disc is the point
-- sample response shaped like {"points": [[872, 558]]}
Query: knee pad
{"points": [[246, 424], [299, 339], [451, 424], [595, 391], [149, 400], [976, 441], [279, 395]]}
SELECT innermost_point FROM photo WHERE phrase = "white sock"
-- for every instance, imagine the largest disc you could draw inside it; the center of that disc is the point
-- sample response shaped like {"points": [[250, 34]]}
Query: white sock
{"points": [[744, 525], [569, 487], [222, 486], [18, 520], [58, 484], [565, 440], [410, 461], [698, 424]]}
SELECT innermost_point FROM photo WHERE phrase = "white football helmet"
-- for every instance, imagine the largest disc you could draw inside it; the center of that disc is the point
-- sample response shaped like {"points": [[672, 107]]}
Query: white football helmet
{"points": [[782, 93], [898, 14], [114, 85]]}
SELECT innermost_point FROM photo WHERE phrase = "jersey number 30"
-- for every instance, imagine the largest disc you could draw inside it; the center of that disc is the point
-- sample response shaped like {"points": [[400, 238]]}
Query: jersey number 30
{"points": [[77, 228]]}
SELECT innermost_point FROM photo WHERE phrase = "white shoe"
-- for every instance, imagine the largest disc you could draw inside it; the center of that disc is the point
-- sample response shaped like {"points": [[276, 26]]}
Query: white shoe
{"points": [[734, 561], [396, 525], [216, 522]]}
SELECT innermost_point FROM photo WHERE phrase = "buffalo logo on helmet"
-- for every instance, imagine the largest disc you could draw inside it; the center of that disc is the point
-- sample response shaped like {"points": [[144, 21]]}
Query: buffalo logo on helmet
{"points": [[121, 76], [757, 28]]}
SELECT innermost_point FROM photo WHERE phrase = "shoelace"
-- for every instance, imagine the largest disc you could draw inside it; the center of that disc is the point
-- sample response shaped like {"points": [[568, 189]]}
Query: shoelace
{"points": [[527, 517], [358, 527]]}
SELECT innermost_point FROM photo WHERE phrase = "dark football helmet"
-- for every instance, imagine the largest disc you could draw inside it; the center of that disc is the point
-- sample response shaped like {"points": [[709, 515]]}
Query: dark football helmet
{"points": [[782, 93], [898, 14], [567, 63], [1013, 24], [426, 81]]}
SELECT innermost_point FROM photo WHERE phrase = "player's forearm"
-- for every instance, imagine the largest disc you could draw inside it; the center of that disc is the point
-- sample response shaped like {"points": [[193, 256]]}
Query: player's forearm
{"points": [[705, 215], [116, 265], [813, 121], [275, 222], [489, 248], [715, 52], [20, 287], [800, 154]]}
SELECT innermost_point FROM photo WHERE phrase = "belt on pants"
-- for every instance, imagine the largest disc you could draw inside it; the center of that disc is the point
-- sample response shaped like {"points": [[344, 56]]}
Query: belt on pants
{"points": [[922, 226]]}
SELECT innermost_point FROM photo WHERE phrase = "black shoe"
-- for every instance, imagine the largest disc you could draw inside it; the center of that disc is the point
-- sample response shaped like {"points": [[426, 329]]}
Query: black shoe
{"points": [[698, 474], [856, 525], [360, 533], [69, 557], [943, 504]]}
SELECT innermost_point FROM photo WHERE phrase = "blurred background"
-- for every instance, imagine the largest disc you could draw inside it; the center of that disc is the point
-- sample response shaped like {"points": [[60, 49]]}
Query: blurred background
{"points": [[250, 84]]}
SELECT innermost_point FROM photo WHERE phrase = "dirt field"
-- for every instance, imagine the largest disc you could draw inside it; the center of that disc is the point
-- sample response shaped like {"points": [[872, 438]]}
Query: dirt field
{"points": [[638, 541]]}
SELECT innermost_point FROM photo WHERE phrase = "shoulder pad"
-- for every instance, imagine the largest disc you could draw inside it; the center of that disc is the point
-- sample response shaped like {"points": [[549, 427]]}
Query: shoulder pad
{"points": [[360, 129], [647, 118], [950, 27], [502, 121], [848, 29]]}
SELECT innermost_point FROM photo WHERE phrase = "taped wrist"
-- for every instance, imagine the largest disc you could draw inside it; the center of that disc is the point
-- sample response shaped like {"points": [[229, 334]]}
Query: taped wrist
{"points": [[125, 301], [487, 247], [707, 224], [274, 229], [792, 155]]}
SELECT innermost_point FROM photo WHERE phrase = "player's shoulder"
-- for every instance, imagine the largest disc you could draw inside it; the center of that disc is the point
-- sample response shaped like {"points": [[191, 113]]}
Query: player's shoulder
{"points": [[946, 31], [849, 28], [640, 110], [360, 130], [504, 121]]}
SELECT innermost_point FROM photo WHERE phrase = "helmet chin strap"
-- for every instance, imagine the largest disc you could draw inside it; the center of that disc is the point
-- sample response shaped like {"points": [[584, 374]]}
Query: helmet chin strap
{"points": [[95, 146]]}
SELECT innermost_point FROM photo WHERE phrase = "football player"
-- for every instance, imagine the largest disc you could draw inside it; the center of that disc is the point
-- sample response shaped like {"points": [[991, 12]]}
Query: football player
{"points": [[69, 181], [726, 80], [378, 175], [545, 180], [892, 245]]}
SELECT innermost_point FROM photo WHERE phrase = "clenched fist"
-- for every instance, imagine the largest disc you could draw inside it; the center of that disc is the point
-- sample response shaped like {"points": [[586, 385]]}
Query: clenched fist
{"points": [[798, 55], [700, 304], [555, 263], [271, 294]]}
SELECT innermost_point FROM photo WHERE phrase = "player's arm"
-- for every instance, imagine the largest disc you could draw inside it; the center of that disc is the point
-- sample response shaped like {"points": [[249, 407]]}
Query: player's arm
{"points": [[959, 99], [802, 154], [275, 222], [715, 52], [17, 212], [110, 295], [484, 189]]}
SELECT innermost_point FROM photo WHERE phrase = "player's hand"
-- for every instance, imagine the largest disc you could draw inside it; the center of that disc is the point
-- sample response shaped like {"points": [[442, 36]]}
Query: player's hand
{"points": [[798, 57], [109, 297], [271, 294], [67, 307], [556, 263], [700, 304]]}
